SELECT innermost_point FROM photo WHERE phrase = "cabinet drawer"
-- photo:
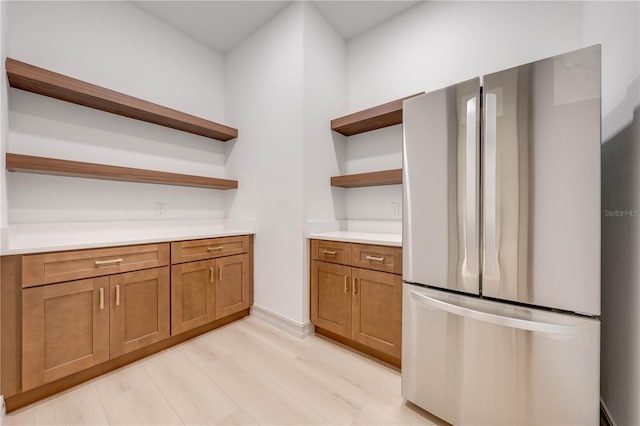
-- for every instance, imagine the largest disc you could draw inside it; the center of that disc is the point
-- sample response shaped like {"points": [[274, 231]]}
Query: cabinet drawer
{"points": [[379, 258], [49, 268], [331, 251], [187, 251]]}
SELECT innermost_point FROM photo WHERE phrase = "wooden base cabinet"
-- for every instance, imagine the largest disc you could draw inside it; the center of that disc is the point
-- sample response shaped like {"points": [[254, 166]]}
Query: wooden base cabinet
{"points": [[65, 329], [331, 297], [208, 290], [139, 309], [72, 326], [377, 310], [69, 316], [232, 285], [361, 305], [192, 295]]}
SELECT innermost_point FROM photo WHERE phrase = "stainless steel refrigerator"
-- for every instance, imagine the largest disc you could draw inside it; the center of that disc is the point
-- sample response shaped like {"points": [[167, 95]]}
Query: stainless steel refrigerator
{"points": [[501, 246]]}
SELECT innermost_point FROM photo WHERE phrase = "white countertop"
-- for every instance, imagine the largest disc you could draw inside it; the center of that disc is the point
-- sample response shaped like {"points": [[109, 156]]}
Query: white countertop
{"points": [[39, 238], [359, 237]]}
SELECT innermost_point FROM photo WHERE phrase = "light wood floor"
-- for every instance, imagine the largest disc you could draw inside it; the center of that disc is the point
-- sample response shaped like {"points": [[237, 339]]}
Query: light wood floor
{"points": [[247, 372]]}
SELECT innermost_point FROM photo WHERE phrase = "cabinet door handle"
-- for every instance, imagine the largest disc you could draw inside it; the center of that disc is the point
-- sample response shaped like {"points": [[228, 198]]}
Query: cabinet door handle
{"points": [[377, 259], [108, 262], [117, 295], [346, 284], [220, 272], [101, 298], [355, 285], [211, 274], [329, 252], [217, 248]]}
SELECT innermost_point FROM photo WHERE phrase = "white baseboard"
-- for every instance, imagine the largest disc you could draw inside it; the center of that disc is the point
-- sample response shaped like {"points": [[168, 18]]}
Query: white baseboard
{"points": [[285, 324]]}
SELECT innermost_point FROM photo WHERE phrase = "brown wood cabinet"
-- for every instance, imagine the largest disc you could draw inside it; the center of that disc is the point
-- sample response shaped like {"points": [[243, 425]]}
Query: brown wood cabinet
{"points": [[232, 285], [65, 329], [70, 316], [71, 326], [331, 297], [139, 313], [192, 295], [207, 290], [38, 269], [363, 306]]}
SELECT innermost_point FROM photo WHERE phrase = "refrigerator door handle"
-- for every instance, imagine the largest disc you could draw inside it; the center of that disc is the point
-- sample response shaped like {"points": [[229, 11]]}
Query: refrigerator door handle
{"points": [[470, 263], [505, 321], [491, 268]]}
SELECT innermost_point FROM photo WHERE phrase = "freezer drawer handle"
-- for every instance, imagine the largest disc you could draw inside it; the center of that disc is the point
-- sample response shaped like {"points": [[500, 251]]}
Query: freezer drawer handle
{"points": [[518, 323]]}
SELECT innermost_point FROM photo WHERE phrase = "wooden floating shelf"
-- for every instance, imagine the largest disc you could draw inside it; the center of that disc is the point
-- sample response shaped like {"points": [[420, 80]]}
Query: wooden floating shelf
{"points": [[48, 83], [380, 116], [384, 177], [52, 166]]}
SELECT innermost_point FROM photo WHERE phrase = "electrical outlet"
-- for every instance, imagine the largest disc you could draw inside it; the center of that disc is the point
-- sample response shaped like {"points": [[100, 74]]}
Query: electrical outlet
{"points": [[395, 209], [160, 208]]}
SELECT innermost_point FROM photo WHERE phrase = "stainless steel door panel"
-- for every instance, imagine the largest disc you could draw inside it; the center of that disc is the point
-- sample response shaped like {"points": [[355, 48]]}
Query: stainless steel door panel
{"points": [[472, 361], [541, 183], [441, 188]]}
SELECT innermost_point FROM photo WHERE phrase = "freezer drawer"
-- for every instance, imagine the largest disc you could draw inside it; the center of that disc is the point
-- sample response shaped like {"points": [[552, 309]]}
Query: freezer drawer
{"points": [[473, 361]]}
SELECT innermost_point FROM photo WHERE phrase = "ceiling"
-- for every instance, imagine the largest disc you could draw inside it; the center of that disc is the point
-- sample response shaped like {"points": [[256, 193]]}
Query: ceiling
{"points": [[222, 25]]}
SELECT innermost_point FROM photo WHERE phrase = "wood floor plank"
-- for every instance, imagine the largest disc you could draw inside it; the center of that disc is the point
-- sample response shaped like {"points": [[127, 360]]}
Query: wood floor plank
{"points": [[130, 397], [77, 406], [25, 416], [338, 404], [247, 372], [264, 401], [193, 395]]}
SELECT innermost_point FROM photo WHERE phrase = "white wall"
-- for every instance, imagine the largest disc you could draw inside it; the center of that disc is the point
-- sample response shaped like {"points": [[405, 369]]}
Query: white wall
{"points": [[324, 152], [121, 47], [433, 45], [616, 25], [265, 100], [284, 85]]}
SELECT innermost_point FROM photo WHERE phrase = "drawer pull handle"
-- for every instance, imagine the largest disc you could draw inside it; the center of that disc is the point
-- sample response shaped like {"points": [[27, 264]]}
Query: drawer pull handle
{"points": [[117, 295], [101, 298], [108, 262], [211, 275], [329, 252], [346, 284], [217, 248], [377, 259]]}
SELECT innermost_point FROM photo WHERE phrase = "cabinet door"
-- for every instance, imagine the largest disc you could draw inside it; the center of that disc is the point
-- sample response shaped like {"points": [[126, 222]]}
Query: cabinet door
{"points": [[331, 297], [65, 329], [192, 295], [139, 309], [232, 285], [377, 310]]}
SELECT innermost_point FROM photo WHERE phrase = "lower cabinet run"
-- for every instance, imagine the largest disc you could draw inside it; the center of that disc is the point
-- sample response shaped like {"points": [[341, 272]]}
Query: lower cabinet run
{"points": [[108, 315], [72, 326], [361, 307]]}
